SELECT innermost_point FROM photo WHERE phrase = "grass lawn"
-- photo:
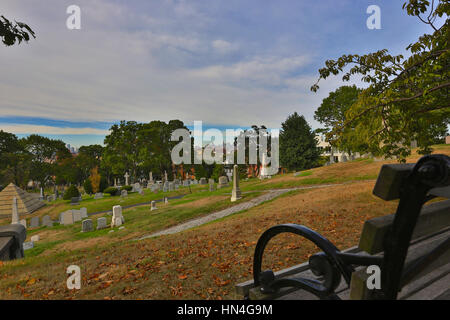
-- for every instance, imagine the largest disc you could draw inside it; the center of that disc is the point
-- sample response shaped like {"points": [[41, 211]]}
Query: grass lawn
{"points": [[201, 263]]}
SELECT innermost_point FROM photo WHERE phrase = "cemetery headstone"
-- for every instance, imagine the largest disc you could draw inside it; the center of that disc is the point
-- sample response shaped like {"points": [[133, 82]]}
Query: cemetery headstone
{"points": [[75, 201], [15, 212], [141, 192], [212, 186], [35, 238], [124, 193], [203, 181], [28, 245], [98, 195], [153, 207], [223, 182], [127, 176], [171, 186], [166, 200], [150, 175], [66, 217], [83, 212], [87, 225], [117, 218], [47, 221], [236, 192], [34, 223], [101, 223], [76, 215]]}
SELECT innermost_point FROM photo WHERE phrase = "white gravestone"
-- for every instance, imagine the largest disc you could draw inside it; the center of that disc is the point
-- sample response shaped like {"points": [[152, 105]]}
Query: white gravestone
{"points": [[15, 212], [223, 182], [67, 217], [83, 212], [117, 218], [101, 223], [153, 207], [76, 215]]}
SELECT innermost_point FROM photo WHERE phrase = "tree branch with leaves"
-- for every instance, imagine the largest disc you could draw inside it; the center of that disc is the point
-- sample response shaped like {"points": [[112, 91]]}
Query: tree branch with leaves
{"points": [[407, 98]]}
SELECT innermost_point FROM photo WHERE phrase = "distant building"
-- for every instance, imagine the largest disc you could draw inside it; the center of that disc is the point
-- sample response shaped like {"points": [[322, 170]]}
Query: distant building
{"points": [[72, 150], [334, 154]]}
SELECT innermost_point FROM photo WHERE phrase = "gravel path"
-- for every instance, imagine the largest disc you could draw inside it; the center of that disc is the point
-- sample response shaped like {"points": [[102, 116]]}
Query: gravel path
{"points": [[226, 212]]}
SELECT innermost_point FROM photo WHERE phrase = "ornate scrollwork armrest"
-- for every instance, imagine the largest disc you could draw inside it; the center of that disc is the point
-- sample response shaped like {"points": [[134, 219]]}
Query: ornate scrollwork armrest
{"points": [[327, 264]]}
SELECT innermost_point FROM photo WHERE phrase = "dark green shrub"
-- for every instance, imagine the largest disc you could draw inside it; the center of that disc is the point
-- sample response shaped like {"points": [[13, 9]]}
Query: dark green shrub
{"points": [[128, 188], [111, 191], [71, 192], [87, 185], [103, 184]]}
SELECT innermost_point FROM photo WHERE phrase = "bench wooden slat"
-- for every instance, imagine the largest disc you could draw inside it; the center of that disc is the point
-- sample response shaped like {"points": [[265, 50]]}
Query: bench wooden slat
{"points": [[358, 285], [433, 218]]}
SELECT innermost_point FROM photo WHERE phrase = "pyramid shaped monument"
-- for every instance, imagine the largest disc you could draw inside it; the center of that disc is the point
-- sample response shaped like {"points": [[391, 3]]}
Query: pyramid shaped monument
{"points": [[26, 203]]}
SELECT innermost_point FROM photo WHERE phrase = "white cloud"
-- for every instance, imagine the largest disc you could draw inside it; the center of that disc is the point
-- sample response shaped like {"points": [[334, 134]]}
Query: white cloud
{"points": [[268, 70], [144, 66], [36, 129], [223, 47]]}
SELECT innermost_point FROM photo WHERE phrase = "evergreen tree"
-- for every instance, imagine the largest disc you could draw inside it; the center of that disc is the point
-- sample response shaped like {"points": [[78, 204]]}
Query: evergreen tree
{"points": [[298, 146]]}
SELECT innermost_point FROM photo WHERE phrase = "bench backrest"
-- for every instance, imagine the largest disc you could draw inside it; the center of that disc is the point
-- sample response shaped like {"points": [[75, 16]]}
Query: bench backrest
{"points": [[432, 227]]}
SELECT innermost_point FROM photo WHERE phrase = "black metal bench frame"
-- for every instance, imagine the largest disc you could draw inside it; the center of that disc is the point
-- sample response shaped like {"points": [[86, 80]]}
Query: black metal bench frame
{"points": [[429, 172]]}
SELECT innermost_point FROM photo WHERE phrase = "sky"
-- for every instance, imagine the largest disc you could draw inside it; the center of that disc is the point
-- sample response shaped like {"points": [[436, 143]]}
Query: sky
{"points": [[227, 63]]}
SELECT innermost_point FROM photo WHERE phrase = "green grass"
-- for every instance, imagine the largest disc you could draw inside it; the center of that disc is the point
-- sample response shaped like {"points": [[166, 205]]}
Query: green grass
{"points": [[304, 174], [140, 220]]}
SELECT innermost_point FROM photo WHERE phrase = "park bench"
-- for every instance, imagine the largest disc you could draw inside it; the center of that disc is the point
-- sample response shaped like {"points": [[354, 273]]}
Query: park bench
{"points": [[410, 248], [11, 241]]}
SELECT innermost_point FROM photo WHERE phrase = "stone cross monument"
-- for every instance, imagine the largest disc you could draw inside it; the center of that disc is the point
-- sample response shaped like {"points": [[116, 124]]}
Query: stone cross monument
{"points": [[236, 193], [126, 176], [151, 177]]}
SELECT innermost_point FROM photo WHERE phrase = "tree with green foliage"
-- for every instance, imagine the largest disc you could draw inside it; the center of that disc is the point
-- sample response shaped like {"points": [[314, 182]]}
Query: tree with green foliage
{"points": [[87, 185], [298, 144], [12, 32], [332, 113], [122, 148], [407, 98], [67, 171], [14, 160], [140, 148], [88, 158], [45, 155], [71, 192]]}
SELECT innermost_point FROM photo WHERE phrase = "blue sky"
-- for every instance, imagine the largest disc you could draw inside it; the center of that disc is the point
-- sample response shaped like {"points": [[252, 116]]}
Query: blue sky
{"points": [[227, 63]]}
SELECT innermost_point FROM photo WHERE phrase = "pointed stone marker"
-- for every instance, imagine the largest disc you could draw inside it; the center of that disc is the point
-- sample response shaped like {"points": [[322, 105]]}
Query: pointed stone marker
{"points": [[15, 212], [236, 193]]}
